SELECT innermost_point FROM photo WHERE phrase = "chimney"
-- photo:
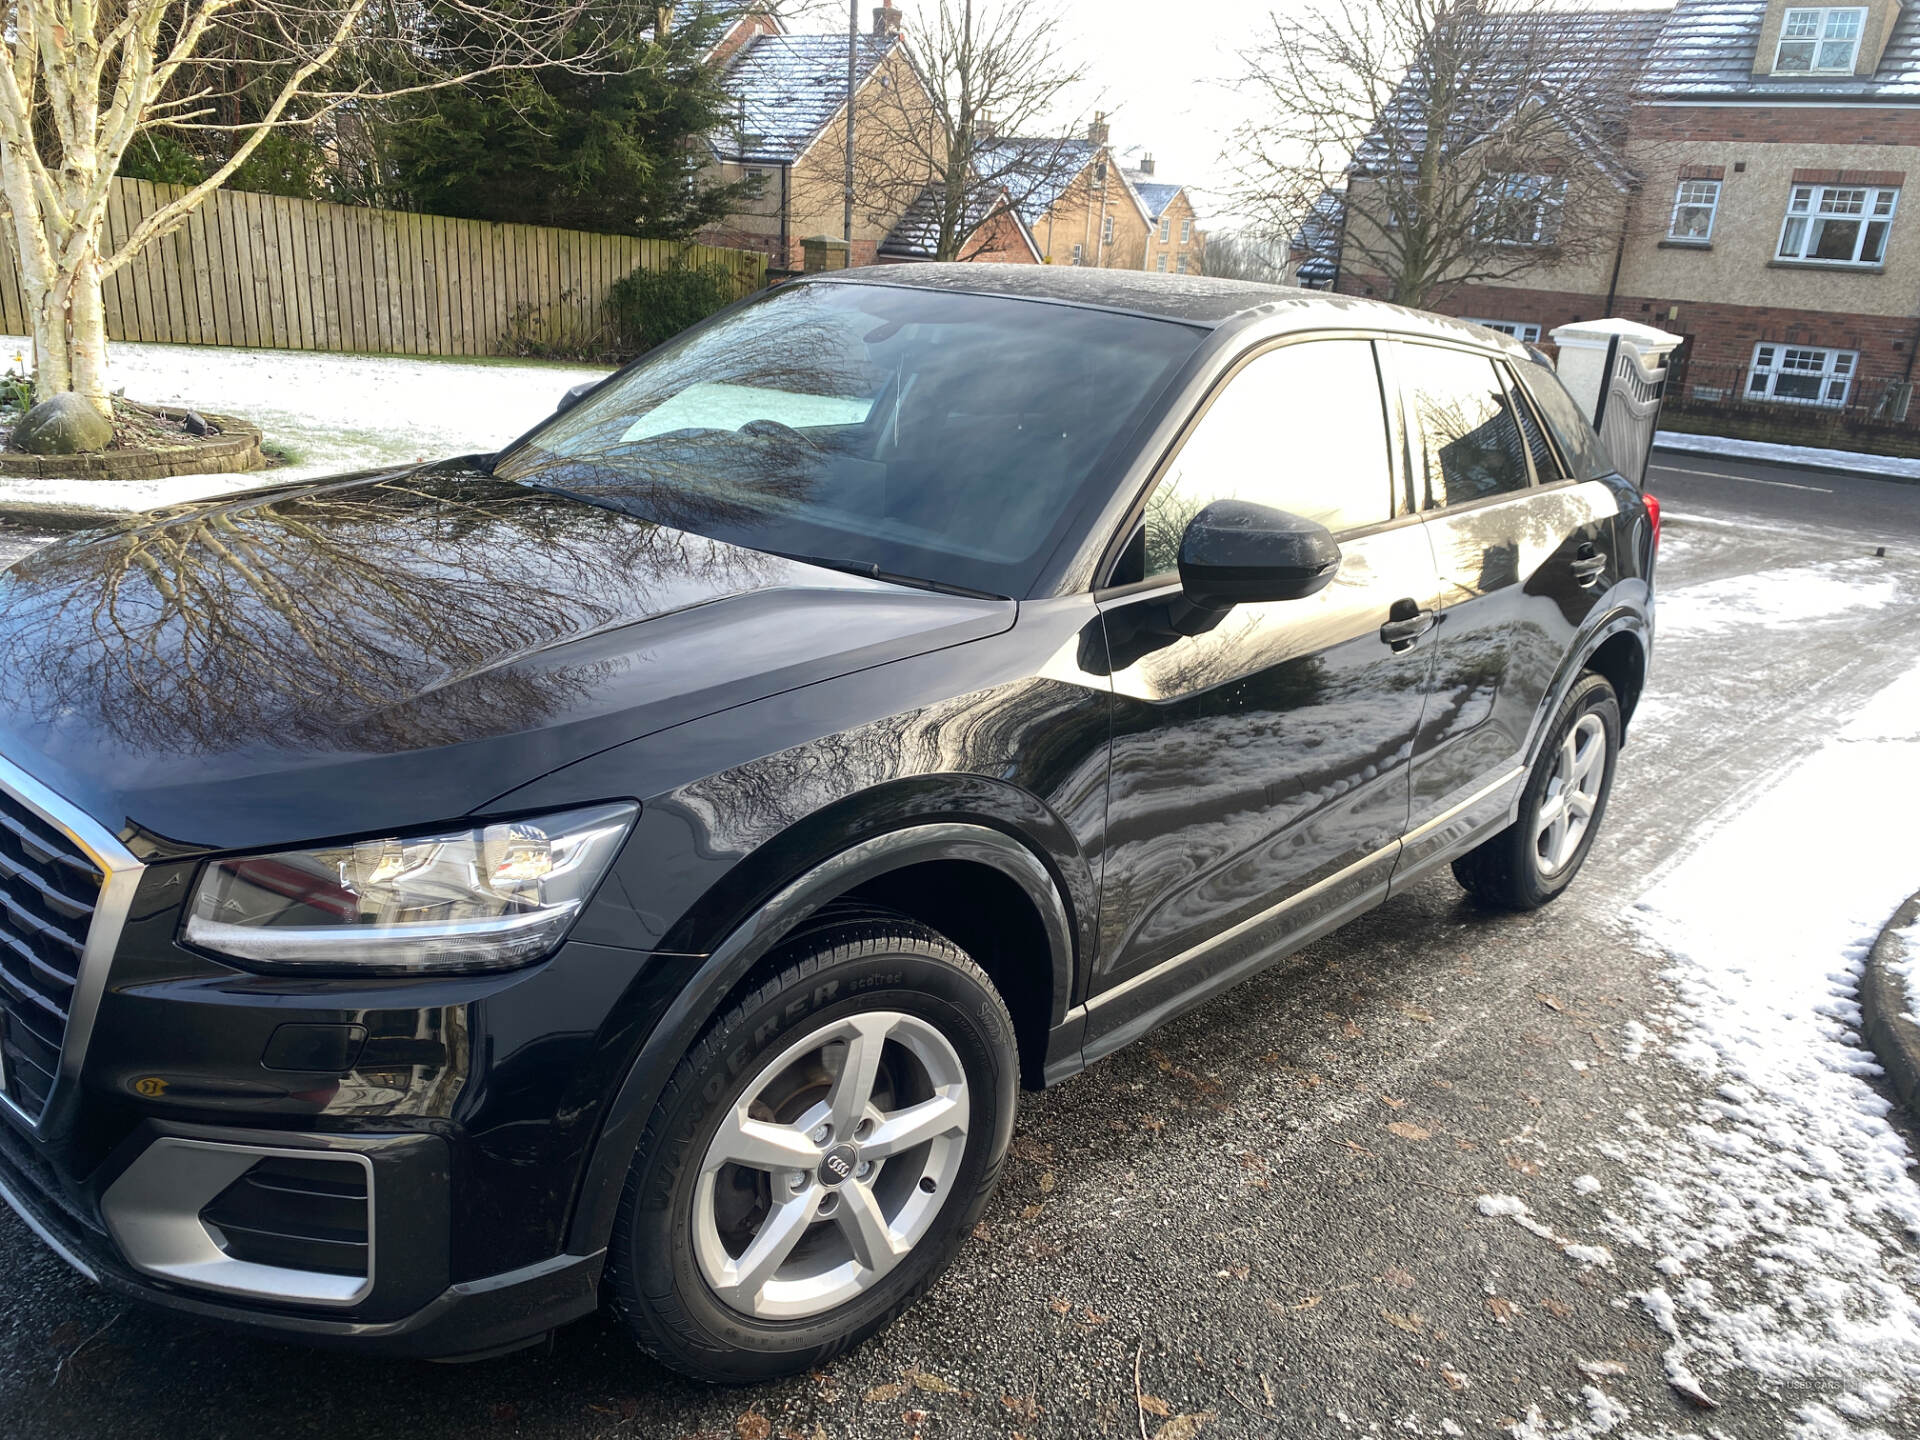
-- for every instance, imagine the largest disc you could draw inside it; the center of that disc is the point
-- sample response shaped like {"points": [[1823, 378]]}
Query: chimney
{"points": [[886, 19], [1146, 164], [1097, 131]]}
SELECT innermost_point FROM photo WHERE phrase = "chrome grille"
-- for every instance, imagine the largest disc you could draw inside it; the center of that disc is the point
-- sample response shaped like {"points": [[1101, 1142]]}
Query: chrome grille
{"points": [[49, 888]]}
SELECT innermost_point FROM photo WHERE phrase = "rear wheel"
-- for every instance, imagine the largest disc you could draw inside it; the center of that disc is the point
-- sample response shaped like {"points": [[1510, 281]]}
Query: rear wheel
{"points": [[1535, 858], [817, 1158]]}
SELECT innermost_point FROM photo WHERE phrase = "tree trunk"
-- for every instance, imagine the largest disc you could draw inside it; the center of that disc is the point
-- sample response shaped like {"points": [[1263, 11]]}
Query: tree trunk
{"points": [[87, 336]]}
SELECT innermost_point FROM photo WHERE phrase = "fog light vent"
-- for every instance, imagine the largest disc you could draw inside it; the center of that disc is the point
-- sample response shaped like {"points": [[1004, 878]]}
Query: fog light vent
{"points": [[294, 1214]]}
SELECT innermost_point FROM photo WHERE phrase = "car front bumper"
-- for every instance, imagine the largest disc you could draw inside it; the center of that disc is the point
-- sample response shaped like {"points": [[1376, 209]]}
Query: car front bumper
{"points": [[131, 1233]]}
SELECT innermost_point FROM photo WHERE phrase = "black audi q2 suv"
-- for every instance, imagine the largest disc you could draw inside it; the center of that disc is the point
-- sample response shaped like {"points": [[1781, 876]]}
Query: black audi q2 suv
{"points": [[642, 867]]}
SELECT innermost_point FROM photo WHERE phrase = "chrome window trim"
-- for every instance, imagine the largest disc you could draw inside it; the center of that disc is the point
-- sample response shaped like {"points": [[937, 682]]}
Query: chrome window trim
{"points": [[122, 870]]}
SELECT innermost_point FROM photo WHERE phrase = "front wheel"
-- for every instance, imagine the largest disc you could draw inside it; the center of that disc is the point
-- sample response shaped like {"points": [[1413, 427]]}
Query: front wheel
{"points": [[817, 1157], [1536, 857]]}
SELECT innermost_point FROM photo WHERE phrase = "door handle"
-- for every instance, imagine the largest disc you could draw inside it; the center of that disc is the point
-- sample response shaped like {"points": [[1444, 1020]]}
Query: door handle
{"points": [[1588, 564], [1406, 623]]}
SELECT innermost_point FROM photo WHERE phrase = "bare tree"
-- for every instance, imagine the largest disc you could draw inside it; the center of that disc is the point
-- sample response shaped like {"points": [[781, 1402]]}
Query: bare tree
{"points": [[991, 69], [1478, 141], [1247, 255], [80, 80]]}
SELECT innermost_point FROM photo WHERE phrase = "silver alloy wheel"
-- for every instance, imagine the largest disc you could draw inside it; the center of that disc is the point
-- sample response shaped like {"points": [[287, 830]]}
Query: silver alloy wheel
{"points": [[849, 1140], [1573, 792]]}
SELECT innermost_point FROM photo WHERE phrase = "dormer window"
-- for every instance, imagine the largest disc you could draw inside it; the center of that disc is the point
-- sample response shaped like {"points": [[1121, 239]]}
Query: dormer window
{"points": [[1819, 41]]}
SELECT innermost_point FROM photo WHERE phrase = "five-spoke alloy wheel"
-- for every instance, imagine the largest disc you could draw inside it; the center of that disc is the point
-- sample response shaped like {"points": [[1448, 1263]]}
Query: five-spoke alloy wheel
{"points": [[818, 1156], [1561, 805], [831, 1166]]}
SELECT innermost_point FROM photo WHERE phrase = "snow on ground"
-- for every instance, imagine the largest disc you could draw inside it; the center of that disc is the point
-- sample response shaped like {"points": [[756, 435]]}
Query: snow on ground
{"points": [[334, 412], [1793, 595], [1853, 461], [1789, 1178]]}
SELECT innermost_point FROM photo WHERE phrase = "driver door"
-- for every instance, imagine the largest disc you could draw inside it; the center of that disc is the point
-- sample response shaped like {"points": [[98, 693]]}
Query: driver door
{"points": [[1260, 754]]}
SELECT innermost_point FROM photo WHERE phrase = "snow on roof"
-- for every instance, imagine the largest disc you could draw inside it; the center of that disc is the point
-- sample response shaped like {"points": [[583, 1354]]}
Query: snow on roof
{"points": [[1318, 238], [1034, 170], [788, 88], [917, 235], [1156, 195], [1707, 48], [1602, 51]]}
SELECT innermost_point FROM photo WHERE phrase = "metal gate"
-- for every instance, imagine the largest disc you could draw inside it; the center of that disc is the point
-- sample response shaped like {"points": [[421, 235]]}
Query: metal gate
{"points": [[1628, 411]]}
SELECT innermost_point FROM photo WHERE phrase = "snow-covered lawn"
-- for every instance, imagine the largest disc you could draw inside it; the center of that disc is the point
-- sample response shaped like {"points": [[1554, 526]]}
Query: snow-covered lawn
{"points": [[334, 412], [1790, 1176]]}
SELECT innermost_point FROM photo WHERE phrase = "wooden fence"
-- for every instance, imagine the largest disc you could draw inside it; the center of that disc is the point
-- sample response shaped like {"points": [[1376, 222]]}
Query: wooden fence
{"points": [[267, 271]]}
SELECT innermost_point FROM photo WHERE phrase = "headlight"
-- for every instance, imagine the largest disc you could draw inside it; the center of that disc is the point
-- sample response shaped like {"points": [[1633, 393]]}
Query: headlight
{"points": [[483, 899]]}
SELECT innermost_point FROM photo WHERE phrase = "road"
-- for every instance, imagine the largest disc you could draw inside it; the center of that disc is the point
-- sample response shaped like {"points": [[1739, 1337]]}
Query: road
{"points": [[1270, 1213]]}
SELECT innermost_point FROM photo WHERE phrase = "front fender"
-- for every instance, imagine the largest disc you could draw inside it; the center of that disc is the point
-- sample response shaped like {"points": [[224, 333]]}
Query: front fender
{"points": [[756, 936]]}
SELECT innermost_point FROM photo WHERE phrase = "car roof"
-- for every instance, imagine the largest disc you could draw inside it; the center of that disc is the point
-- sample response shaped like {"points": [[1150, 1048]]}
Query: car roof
{"points": [[1200, 300]]}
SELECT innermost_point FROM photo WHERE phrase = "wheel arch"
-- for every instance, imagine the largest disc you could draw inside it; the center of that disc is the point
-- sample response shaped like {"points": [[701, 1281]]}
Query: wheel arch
{"points": [[1617, 649], [912, 870]]}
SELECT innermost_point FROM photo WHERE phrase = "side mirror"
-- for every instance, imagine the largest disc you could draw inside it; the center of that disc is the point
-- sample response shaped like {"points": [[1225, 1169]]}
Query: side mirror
{"points": [[1235, 552], [574, 396]]}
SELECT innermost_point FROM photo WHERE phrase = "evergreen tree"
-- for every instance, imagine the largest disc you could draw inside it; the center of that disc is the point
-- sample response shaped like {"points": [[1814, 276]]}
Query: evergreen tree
{"points": [[617, 150]]}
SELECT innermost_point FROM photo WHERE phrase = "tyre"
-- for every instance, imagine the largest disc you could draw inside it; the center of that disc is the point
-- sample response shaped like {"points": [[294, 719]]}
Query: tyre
{"points": [[1536, 857], [817, 1157]]}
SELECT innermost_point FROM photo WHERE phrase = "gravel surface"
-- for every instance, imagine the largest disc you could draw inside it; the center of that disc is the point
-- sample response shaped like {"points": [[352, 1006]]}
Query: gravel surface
{"points": [[1286, 1213]]}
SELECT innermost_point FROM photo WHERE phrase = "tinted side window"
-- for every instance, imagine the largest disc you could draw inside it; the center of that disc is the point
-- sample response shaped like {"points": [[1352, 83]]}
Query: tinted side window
{"points": [[1546, 467], [1300, 429], [1578, 443], [1472, 444]]}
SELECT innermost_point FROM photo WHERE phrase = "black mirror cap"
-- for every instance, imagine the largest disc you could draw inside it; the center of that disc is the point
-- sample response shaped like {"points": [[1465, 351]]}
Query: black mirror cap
{"points": [[1235, 552], [574, 396]]}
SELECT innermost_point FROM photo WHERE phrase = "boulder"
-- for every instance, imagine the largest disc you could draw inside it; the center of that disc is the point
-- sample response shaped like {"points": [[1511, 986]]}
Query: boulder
{"points": [[64, 425]]}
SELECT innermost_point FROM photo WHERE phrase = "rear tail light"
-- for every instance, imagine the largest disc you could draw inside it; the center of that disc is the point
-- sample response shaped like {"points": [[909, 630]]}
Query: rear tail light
{"points": [[1653, 517]]}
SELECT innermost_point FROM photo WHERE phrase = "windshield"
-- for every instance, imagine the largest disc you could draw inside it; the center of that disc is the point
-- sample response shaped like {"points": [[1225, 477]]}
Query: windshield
{"points": [[939, 436]]}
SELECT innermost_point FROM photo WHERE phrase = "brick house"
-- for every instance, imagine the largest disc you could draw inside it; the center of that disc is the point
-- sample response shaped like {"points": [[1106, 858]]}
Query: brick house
{"points": [[1770, 142], [790, 136], [1175, 244], [1084, 206]]}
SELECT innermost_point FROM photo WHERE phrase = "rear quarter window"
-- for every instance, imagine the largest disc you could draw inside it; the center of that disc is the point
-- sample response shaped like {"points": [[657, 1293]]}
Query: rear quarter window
{"points": [[1586, 460]]}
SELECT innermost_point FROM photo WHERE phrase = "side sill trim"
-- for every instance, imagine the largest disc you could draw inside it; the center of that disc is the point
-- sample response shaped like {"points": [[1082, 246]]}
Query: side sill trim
{"points": [[1252, 922], [1467, 804]]}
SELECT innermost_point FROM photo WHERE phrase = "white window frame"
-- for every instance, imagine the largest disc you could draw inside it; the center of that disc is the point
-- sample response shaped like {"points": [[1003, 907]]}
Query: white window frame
{"points": [[1106, 229], [1834, 372], [1694, 196], [1522, 330], [1820, 34], [1186, 231], [1166, 228], [1181, 265], [1811, 208], [1079, 254], [1160, 263], [1535, 200]]}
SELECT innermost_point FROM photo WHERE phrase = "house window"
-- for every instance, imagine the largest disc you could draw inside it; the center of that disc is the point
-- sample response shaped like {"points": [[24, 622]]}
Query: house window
{"points": [[1801, 374], [1694, 205], [1822, 41], [1181, 266], [1166, 228], [1160, 263], [1519, 329], [1079, 254], [1519, 209], [1186, 231], [1106, 230], [1838, 224]]}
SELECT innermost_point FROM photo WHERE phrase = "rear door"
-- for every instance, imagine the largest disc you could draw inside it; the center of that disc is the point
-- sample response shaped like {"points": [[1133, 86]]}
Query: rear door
{"points": [[1260, 753], [1523, 554]]}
